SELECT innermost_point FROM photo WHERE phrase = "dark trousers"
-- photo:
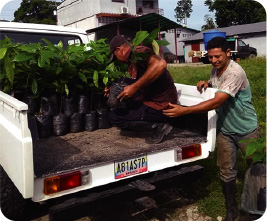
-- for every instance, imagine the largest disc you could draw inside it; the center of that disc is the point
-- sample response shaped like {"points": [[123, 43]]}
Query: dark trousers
{"points": [[135, 111], [227, 150]]}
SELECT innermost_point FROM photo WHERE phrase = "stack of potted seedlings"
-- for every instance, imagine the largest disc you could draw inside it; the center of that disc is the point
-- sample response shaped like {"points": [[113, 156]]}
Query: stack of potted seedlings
{"points": [[63, 87]]}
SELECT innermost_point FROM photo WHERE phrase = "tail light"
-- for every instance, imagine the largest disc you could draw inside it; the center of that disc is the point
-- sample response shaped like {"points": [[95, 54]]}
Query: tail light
{"points": [[65, 182], [191, 151], [187, 152]]}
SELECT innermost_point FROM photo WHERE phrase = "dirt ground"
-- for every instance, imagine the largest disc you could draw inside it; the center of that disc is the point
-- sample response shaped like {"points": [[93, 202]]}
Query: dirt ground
{"points": [[168, 205]]}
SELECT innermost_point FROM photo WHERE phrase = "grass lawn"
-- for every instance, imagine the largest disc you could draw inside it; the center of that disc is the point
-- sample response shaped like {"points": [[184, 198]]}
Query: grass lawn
{"points": [[208, 190]]}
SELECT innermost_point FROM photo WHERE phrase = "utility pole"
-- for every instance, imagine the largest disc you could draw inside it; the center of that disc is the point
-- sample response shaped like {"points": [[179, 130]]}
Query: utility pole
{"points": [[55, 11], [185, 20]]}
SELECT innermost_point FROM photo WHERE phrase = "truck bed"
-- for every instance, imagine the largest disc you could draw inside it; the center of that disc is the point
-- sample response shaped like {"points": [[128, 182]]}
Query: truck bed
{"points": [[58, 154]]}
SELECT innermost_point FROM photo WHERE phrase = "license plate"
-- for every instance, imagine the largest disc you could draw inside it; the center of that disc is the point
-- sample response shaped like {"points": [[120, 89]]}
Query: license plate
{"points": [[130, 167]]}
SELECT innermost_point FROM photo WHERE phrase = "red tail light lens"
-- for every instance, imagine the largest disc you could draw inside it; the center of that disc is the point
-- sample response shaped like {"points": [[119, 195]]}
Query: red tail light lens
{"points": [[70, 181], [191, 151], [62, 182]]}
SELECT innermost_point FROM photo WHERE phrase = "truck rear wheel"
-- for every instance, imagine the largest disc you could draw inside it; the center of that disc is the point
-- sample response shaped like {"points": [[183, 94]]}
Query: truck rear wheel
{"points": [[13, 205]]}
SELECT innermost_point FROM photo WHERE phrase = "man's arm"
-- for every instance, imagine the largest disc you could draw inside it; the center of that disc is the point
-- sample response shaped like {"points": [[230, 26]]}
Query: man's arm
{"points": [[177, 110], [156, 66]]}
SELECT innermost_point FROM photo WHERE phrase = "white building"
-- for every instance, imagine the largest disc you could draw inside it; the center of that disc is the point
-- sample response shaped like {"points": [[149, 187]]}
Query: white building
{"points": [[170, 35], [98, 16]]}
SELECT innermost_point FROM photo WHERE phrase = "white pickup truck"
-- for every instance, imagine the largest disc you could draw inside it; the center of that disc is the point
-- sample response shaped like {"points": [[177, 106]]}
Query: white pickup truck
{"points": [[62, 165]]}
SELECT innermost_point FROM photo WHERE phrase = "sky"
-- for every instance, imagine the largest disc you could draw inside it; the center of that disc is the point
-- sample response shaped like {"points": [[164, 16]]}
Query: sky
{"points": [[196, 20]]}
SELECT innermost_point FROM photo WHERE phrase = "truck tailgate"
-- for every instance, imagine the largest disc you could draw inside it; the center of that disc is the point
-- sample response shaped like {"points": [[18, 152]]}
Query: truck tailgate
{"points": [[77, 150]]}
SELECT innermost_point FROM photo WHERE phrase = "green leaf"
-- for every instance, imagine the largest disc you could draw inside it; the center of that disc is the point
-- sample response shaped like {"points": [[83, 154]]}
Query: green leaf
{"points": [[154, 34], [22, 57], [95, 78], [250, 149], [60, 44], [82, 77], [41, 61], [258, 157], [9, 69], [99, 58], [67, 90], [139, 37], [105, 79], [162, 42], [45, 56], [155, 47], [34, 86], [59, 70], [2, 52], [31, 48], [50, 44], [2, 75], [6, 89]]}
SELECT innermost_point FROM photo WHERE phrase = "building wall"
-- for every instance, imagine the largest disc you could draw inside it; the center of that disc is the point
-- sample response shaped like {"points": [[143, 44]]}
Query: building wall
{"points": [[181, 33], [73, 11], [79, 13], [115, 7]]}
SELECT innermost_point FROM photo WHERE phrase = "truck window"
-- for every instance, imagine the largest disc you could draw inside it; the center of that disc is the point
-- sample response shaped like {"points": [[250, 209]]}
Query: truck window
{"points": [[24, 37], [231, 45], [241, 43]]}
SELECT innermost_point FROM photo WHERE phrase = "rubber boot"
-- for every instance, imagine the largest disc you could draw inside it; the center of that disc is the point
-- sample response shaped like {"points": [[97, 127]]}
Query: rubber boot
{"points": [[159, 130], [229, 191]]}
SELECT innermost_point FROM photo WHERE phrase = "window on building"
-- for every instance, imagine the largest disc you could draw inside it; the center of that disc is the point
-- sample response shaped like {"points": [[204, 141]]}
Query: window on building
{"points": [[108, 20], [118, 1], [163, 35], [148, 4], [187, 35]]}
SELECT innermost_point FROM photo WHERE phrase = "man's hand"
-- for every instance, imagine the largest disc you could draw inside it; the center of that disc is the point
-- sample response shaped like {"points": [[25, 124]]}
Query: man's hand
{"points": [[174, 110], [201, 85], [128, 92], [107, 91]]}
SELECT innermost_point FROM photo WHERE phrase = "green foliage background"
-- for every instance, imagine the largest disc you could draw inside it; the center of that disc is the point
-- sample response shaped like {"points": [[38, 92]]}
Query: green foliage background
{"points": [[36, 11], [236, 12]]}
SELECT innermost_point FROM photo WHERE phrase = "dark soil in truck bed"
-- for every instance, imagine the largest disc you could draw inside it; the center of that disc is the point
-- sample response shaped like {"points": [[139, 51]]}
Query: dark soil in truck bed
{"points": [[78, 150]]}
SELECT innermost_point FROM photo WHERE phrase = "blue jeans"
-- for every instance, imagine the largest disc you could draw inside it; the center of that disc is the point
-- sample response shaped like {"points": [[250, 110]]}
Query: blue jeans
{"points": [[227, 149]]}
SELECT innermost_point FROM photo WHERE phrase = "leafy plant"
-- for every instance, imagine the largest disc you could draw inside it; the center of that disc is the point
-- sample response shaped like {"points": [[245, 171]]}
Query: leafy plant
{"points": [[146, 39], [7, 53], [256, 148]]}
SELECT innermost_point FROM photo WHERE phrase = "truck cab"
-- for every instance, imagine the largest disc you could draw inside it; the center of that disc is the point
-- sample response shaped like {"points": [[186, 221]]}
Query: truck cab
{"points": [[240, 49], [32, 33]]}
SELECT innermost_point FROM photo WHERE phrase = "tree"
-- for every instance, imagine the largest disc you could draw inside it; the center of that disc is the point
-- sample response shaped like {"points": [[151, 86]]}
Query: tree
{"points": [[183, 10], [209, 23], [236, 12], [36, 11]]}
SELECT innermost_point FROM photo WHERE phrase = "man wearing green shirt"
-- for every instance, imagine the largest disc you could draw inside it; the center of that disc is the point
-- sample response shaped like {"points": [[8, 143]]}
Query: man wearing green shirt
{"points": [[237, 119]]}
